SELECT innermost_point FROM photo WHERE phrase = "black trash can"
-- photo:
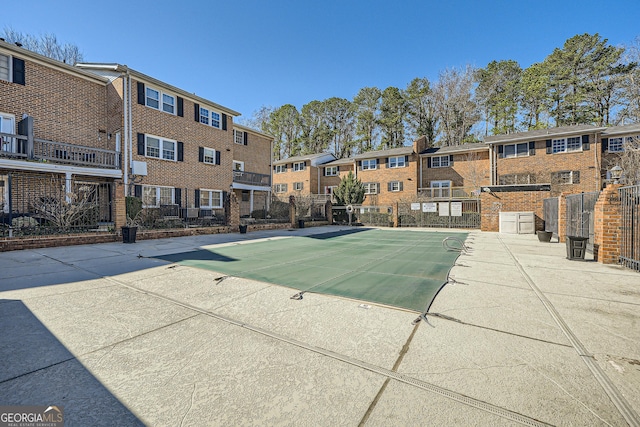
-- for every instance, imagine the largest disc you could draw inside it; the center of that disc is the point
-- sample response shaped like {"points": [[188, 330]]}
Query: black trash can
{"points": [[576, 247], [301, 223], [243, 229]]}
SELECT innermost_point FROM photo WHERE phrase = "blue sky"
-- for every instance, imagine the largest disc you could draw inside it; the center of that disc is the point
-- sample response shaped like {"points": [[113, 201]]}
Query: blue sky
{"points": [[246, 54]]}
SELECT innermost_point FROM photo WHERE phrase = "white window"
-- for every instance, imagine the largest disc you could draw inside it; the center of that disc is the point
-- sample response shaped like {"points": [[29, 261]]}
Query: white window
{"points": [[331, 171], [371, 187], [440, 162], [297, 186], [215, 119], [153, 98], [210, 199], [209, 156], [564, 145], [7, 143], [157, 196], [280, 188], [238, 137], [440, 188], [565, 177], [160, 148], [516, 150], [396, 162], [204, 116], [369, 164], [238, 166], [298, 166], [5, 68], [168, 103], [280, 168], [329, 189], [395, 186], [616, 145]]}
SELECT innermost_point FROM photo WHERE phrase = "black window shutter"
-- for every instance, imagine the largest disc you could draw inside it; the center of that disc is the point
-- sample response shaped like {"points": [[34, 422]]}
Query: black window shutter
{"points": [[337, 168], [196, 112], [201, 154], [450, 159], [177, 195], [400, 186], [500, 151], [180, 151], [549, 149], [197, 198], [217, 157], [585, 142], [224, 121], [605, 144], [141, 144], [18, 71], [406, 161], [532, 148], [575, 177], [388, 186], [141, 97], [180, 107], [245, 138], [360, 164], [428, 162], [137, 191]]}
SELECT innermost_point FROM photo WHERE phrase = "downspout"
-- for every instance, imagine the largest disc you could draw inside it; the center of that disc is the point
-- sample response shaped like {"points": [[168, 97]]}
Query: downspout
{"points": [[596, 149], [130, 119], [491, 166], [420, 183], [125, 144]]}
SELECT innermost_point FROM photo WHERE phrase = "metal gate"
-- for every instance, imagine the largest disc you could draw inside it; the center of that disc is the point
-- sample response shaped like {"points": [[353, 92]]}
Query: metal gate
{"points": [[446, 214], [550, 208], [630, 233], [580, 208], [373, 216]]}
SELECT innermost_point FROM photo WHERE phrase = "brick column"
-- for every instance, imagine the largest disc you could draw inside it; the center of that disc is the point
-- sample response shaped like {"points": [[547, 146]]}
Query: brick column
{"points": [[119, 205], [234, 212], [328, 210], [607, 222], [395, 215], [292, 212], [562, 217]]}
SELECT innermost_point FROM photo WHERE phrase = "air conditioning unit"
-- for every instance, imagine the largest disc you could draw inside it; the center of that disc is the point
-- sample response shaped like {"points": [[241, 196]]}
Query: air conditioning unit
{"points": [[139, 168]]}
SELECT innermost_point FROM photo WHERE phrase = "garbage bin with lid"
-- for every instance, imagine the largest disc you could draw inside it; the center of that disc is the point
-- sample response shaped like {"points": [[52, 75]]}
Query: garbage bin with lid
{"points": [[576, 247], [301, 223]]}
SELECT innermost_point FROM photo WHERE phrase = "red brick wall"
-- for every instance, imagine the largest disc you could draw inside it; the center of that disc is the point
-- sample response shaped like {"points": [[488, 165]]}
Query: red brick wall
{"points": [[408, 175], [607, 226], [491, 204], [468, 170], [67, 106]]}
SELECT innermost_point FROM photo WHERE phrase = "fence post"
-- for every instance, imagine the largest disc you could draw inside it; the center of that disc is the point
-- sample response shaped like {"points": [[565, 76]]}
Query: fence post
{"points": [[562, 217], [120, 206], [607, 226], [395, 215], [328, 211], [292, 211], [234, 212]]}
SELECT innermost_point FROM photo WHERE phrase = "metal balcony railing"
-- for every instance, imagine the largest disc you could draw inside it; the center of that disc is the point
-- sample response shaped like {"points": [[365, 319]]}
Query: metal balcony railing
{"points": [[448, 193], [19, 147], [252, 178]]}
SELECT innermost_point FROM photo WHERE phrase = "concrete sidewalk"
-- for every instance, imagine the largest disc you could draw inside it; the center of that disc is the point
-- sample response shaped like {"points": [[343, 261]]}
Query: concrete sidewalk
{"points": [[520, 336]]}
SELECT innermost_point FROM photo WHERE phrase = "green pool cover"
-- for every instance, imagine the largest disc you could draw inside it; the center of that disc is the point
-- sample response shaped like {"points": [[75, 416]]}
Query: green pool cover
{"points": [[400, 268]]}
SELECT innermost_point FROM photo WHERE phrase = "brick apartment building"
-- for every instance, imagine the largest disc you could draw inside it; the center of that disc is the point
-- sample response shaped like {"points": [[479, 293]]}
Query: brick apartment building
{"points": [[181, 151], [56, 139], [568, 158], [300, 175]]}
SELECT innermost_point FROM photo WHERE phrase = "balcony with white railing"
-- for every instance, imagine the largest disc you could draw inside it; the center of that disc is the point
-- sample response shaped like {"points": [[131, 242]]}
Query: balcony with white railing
{"points": [[20, 147]]}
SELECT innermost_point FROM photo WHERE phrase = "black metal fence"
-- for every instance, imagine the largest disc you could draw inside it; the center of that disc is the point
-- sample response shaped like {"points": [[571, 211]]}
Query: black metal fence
{"points": [[550, 208], [47, 204], [372, 216], [310, 208], [580, 208], [630, 219], [441, 214]]}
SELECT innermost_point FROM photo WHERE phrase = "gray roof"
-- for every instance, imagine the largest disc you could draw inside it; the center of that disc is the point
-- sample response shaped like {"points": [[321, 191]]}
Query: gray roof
{"points": [[542, 134], [344, 161], [620, 130], [385, 153], [302, 158], [476, 146]]}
